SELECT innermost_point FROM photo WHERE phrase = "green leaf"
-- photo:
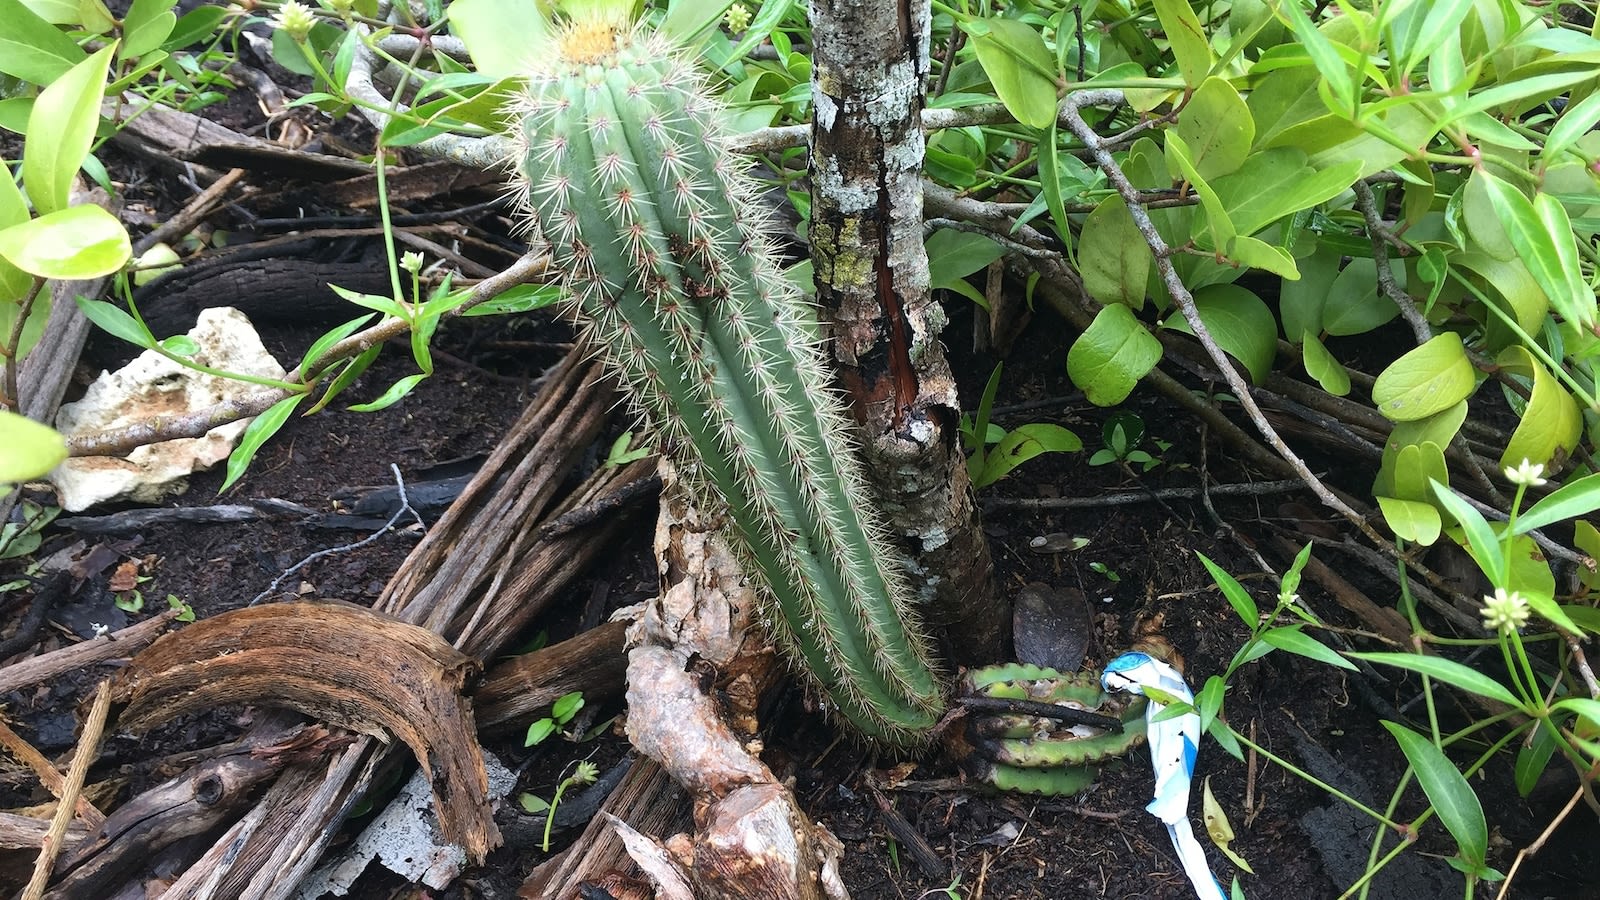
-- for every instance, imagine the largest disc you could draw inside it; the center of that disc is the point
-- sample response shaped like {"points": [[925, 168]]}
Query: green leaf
{"points": [[1569, 501], [321, 345], [60, 131], [1330, 65], [1022, 444], [1291, 639], [31, 48], [1239, 322], [1576, 121], [1533, 759], [1482, 222], [1411, 520], [1551, 424], [56, 12], [75, 243], [1447, 789], [1321, 365], [539, 732], [32, 330], [1181, 162], [566, 706], [1217, 128], [1354, 304], [1543, 240], [1050, 181], [1110, 357], [260, 430], [14, 283], [1480, 537], [953, 255], [1301, 303], [1587, 539], [1431, 378], [1238, 597], [1188, 38], [500, 34], [1115, 261], [195, 26], [393, 395], [1448, 671], [116, 322], [1251, 253], [146, 27], [1275, 183], [522, 298], [1019, 65], [28, 449]]}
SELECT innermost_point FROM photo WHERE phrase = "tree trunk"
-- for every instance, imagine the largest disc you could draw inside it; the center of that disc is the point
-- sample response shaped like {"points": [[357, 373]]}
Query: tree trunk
{"points": [[869, 62]]}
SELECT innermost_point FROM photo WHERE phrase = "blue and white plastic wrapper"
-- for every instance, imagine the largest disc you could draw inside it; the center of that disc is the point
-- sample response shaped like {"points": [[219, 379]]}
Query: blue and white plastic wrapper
{"points": [[1174, 744]]}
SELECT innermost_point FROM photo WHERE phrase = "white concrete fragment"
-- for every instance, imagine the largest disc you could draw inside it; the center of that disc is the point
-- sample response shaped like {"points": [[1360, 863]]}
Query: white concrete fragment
{"points": [[153, 385], [404, 838]]}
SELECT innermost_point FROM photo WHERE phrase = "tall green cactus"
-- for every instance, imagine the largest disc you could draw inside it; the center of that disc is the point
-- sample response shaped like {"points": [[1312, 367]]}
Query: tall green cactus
{"points": [[665, 252]]}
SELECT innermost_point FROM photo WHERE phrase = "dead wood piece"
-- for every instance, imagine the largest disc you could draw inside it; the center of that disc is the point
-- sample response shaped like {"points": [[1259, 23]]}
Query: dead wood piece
{"points": [[45, 771], [647, 799], [756, 843], [114, 646], [83, 756], [134, 520], [27, 833], [671, 720], [343, 663], [190, 804], [751, 838], [593, 662]]}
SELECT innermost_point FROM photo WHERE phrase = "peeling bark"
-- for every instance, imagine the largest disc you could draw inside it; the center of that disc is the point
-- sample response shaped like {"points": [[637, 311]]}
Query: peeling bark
{"points": [[751, 839], [870, 59]]}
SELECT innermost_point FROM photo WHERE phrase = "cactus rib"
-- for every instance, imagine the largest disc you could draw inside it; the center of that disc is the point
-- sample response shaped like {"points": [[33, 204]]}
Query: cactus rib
{"points": [[656, 229]]}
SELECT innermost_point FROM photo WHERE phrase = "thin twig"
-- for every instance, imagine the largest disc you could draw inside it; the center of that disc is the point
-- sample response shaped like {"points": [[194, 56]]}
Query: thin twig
{"points": [[1381, 238], [1129, 498], [47, 774], [88, 750], [405, 507], [1539, 842], [1004, 241], [1070, 113]]}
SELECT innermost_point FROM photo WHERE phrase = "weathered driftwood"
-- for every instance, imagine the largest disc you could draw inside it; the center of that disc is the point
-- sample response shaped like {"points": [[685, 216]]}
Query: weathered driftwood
{"points": [[481, 567], [340, 663]]}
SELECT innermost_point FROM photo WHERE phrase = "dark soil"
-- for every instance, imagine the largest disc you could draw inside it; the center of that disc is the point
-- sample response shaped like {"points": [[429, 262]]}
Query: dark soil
{"points": [[1140, 564]]}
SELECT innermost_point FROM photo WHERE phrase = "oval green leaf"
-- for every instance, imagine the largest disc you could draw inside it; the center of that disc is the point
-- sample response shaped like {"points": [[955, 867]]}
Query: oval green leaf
{"points": [[1114, 258], [75, 243], [1552, 422], [1240, 323], [1217, 128], [28, 449], [1019, 65], [1321, 365], [1108, 359], [60, 130], [1429, 379]]}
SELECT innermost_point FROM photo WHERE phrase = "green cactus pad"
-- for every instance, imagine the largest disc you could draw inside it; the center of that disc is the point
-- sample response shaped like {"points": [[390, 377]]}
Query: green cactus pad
{"points": [[664, 252], [1030, 754]]}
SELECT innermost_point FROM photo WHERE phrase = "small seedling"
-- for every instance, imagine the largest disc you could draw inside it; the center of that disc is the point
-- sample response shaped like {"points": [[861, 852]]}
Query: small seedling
{"points": [[185, 611], [129, 601], [985, 466], [561, 712], [1122, 433], [585, 773], [620, 455], [1105, 570]]}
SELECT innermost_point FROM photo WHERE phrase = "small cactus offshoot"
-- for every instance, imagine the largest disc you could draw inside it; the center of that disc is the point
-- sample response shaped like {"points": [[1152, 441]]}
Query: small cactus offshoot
{"points": [[664, 251]]}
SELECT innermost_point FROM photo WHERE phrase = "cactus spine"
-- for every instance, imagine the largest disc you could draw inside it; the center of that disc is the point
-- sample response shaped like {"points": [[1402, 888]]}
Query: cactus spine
{"points": [[661, 244]]}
